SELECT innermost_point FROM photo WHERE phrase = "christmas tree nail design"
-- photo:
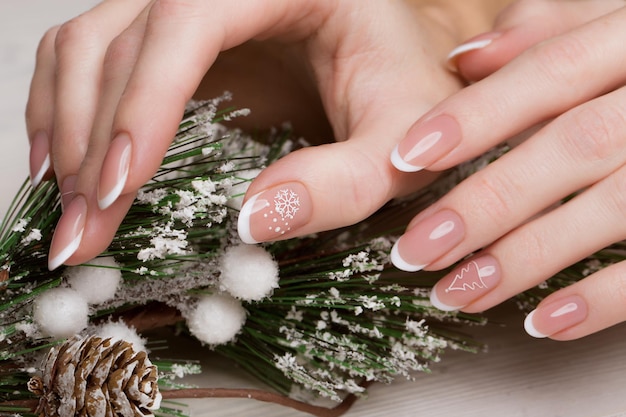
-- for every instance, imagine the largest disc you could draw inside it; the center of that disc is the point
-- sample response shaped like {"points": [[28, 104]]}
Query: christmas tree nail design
{"points": [[466, 284], [470, 277]]}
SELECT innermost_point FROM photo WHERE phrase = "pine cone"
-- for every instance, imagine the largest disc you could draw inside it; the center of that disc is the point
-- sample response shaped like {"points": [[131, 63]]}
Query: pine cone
{"points": [[95, 377]]}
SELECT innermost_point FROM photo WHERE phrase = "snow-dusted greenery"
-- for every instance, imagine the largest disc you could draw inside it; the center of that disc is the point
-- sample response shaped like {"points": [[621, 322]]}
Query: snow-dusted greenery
{"points": [[322, 314]]}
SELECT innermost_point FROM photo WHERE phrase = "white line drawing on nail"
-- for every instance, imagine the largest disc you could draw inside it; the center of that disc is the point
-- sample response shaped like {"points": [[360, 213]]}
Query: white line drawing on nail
{"points": [[459, 283]]}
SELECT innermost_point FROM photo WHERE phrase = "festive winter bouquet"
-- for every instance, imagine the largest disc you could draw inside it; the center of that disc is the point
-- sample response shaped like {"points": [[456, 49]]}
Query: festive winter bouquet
{"points": [[322, 315]]}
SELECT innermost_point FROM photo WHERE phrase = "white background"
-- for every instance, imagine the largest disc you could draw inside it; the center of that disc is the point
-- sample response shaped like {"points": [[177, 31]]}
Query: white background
{"points": [[519, 376]]}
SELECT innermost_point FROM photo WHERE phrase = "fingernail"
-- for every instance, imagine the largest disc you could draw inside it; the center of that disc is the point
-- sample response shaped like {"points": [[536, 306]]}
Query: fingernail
{"points": [[473, 44], [68, 233], [466, 283], [114, 170], [555, 316], [426, 143], [67, 190], [427, 241], [274, 213], [39, 158]]}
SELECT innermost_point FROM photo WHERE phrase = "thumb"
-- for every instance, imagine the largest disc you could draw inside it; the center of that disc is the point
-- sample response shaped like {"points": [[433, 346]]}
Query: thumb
{"points": [[322, 188], [520, 26]]}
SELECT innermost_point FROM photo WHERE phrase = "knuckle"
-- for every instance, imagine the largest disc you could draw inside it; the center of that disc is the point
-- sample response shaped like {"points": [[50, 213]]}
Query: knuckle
{"points": [[46, 44], [494, 197], [534, 248], [559, 60], [594, 133], [614, 200], [173, 9], [74, 32], [119, 54]]}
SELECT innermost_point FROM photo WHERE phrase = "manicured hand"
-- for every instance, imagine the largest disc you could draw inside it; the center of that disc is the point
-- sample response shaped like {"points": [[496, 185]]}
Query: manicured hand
{"points": [[563, 88], [110, 87]]}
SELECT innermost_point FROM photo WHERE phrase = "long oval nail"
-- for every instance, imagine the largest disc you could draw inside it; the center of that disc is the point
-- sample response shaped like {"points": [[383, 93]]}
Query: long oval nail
{"points": [[274, 213], [427, 241], [426, 143], [39, 157], [556, 316], [68, 233], [466, 283], [477, 42], [114, 170]]}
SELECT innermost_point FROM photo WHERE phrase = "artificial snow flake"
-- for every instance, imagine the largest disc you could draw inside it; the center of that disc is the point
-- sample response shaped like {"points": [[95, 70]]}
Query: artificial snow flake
{"points": [[33, 235], [165, 241], [20, 226]]}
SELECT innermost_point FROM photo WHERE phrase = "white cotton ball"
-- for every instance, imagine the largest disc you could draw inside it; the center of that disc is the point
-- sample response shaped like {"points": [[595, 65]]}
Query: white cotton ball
{"points": [[216, 319], [248, 272], [97, 284], [239, 189], [61, 312], [121, 331]]}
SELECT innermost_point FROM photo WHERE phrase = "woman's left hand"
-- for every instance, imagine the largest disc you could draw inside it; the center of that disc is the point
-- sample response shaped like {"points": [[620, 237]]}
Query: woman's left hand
{"points": [[569, 90]]}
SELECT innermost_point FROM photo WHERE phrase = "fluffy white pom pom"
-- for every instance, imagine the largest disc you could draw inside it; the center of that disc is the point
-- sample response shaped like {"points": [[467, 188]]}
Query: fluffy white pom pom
{"points": [[248, 272], [216, 319], [118, 330], [96, 284], [61, 312]]}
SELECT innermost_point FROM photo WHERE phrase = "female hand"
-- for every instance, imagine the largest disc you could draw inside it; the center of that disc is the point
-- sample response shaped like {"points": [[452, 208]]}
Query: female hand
{"points": [[569, 88], [110, 87]]}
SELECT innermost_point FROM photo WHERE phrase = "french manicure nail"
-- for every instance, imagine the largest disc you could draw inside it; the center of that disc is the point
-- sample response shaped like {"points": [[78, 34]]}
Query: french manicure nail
{"points": [[427, 241], [556, 316], [274, 213], [39, 158], [473, 44], [67, 190], [68, 233], [114, 170], [466, 283], [426, 143]]}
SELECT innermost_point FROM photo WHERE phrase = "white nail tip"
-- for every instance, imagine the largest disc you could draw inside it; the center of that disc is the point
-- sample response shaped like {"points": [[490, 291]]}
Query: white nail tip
{"points": [[65, 254], [243, 222], [400, 263], [401, 164], [466, 47], [436, 302], [110, 198], [530, 327], [42, 171]]}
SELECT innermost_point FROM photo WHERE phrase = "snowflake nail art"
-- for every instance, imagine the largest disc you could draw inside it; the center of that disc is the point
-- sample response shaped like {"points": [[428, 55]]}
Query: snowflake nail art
{"points": [[274, 213]]}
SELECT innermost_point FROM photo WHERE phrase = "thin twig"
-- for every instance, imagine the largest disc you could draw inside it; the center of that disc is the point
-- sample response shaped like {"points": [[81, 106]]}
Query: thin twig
{"points": [[252, 394]]}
